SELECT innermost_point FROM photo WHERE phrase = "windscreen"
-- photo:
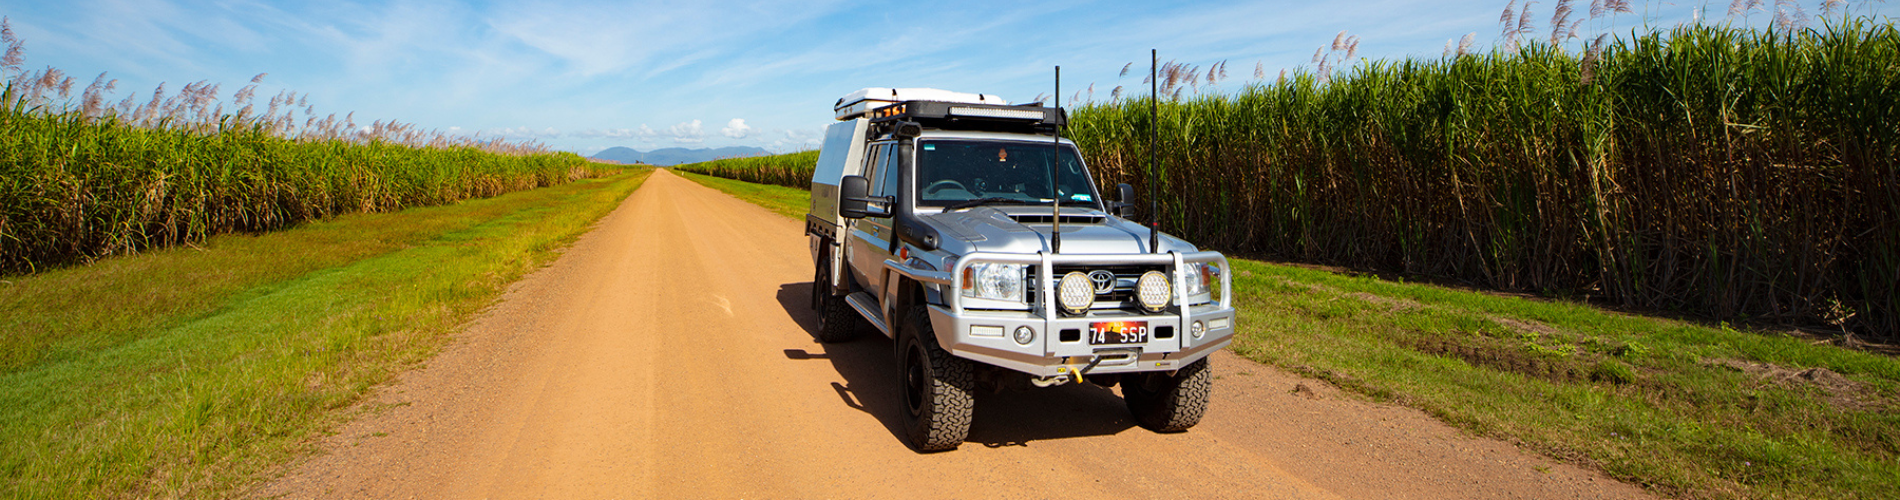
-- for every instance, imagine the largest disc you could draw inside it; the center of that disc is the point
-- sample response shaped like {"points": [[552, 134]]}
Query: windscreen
{"points": [[950, 172]]}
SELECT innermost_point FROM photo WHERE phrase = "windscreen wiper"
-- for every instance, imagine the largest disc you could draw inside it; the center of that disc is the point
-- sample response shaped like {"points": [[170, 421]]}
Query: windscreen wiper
{"points": [[985, 201]]}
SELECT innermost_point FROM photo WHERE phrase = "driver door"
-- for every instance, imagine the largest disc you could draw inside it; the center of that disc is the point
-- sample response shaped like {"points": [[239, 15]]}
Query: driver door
{"points": [[871, 236]]}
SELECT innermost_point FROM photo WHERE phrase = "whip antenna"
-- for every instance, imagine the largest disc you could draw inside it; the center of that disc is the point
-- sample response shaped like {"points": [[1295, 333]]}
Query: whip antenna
{"points": [[1055, 239], [1154, 127]]}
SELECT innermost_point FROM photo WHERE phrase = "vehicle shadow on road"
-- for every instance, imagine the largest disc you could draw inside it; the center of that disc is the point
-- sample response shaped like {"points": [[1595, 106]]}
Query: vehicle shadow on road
{"points": [[1009, 418]]}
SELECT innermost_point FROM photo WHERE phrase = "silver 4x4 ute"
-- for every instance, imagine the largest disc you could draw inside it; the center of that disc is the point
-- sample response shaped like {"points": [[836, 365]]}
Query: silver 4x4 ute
{"points": [[966, 230]]}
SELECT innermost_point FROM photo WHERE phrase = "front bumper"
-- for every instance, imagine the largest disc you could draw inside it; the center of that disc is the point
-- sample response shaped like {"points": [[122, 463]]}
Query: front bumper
{"points": [[1048, 355], [988, 335]]}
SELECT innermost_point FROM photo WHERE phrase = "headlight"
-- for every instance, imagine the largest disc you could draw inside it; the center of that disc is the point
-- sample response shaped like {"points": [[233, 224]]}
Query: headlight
{"points": [[1201, 278], [986, 280], [1153, 291], [1075, 293]]}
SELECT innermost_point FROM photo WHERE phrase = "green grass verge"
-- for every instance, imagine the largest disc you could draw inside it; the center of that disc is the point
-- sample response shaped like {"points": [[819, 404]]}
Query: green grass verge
{"points": [[1686, 409], [790, 169], [786, 201], [190, 371]]}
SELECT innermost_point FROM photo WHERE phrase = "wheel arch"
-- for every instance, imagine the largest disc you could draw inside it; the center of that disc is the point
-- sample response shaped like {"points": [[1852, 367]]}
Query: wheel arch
{"points": [[827, 252], [911, 295]]}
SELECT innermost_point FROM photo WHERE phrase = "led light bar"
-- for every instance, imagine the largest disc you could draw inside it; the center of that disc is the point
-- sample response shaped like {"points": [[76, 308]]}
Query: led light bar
{"points": [[1019, 114], [966, 116]]}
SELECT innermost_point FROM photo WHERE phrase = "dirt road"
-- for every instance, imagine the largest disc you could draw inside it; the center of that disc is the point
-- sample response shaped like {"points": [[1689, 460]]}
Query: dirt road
{"points": [[668, 355]]}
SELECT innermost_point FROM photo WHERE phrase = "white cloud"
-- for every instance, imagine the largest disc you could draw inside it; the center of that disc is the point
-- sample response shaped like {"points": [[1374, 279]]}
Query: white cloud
{"points": [[736, 128], [643, 133], [798, 139], [523, 133], [687, 132]]}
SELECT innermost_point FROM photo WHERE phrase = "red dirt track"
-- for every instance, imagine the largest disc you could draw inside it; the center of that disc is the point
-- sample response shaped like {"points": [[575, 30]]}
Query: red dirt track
{"points": [[668, 354]]}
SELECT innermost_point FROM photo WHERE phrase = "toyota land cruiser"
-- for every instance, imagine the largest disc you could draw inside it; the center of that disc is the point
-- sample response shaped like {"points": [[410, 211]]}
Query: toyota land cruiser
{"points": [[966, 230]]}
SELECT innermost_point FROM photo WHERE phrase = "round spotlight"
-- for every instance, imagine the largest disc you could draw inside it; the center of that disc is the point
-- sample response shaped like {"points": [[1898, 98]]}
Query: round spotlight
{"points": [[1153, 291], [1025, 335], [1075, 293], [1197, 329]]}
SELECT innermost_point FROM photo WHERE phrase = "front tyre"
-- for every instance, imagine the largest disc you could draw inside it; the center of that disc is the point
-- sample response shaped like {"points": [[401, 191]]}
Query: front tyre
{"points": [[939, 389], [837, 321], [1164, 403]]}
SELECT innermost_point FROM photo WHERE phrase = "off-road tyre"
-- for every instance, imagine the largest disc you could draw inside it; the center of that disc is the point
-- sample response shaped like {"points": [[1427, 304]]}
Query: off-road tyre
{"points": [[1164, 403], [939, 390], [837, 321]]}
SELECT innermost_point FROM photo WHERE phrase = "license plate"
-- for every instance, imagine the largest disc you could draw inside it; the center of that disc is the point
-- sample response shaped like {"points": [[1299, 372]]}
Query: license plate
{"points": [[1118, 332]]}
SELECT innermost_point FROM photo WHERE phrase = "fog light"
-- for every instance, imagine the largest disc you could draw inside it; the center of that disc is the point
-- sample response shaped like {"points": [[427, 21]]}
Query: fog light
{"points": [[1153, 291], [1197, 329], [1075, 293], [1025, 335]]}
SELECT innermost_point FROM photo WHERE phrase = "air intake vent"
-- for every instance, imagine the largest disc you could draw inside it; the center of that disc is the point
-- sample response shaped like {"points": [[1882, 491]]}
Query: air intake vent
{"points": [[1066, 219]]}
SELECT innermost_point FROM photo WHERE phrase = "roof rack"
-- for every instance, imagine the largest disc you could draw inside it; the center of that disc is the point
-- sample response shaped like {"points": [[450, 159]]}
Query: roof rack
{"points": [[1025, 118], [856, 104]]}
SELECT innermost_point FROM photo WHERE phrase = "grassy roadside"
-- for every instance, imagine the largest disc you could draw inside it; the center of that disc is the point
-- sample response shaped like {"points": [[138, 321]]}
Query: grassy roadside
{"points": [[786, 201], [1685, 409], [790, 169], [188, 371]]}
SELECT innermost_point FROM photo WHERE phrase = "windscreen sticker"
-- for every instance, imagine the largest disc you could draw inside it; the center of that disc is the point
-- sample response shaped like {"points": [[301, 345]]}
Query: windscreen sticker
{"points": [[1082, 197], [930, 147]]}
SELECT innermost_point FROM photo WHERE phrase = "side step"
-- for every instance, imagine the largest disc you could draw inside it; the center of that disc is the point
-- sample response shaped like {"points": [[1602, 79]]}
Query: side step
{"points": [[867, 307]]}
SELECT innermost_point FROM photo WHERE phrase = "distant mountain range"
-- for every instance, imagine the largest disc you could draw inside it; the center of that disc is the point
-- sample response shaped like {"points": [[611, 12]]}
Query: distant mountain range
{"points": [[676, 156]]}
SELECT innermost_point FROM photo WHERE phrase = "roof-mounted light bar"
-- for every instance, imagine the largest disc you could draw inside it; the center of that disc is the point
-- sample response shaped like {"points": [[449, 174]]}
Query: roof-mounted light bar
{"points": [[1014, 114]]}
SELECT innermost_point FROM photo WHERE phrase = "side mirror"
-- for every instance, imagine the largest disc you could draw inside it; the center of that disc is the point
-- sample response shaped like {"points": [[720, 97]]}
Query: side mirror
{"points": [[854, 201], [1127, 205], [851, 193]]}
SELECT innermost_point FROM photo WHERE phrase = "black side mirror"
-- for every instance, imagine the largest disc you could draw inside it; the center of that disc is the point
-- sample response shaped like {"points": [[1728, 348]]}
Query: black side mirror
{"points": [[1127, 205], [851, 193], [854, 201]]}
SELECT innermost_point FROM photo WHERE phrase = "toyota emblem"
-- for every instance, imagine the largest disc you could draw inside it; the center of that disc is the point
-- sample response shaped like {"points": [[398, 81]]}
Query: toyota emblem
{"points": [[1104, 281]]}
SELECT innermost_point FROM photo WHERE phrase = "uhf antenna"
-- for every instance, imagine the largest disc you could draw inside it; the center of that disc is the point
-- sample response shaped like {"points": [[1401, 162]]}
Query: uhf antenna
{"points": [[1154, 122], [1055, 240]]}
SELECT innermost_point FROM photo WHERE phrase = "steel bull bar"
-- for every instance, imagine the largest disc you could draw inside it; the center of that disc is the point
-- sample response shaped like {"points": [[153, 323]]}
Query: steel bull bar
{"points": [[985, 334]]}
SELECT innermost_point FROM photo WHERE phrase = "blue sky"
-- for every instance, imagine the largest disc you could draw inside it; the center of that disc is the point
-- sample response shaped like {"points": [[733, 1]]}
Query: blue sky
{"points": [[584, 76]]}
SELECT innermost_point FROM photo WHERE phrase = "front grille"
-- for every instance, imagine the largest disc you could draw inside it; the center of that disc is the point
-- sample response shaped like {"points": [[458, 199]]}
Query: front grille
{"points": [[1122, 296]]}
